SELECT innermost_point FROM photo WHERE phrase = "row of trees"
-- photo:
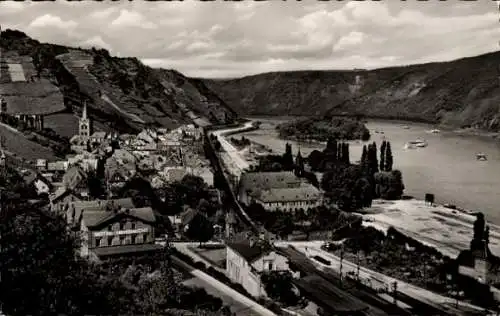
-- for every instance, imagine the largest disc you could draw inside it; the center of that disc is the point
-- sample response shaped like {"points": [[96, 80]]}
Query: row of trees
{"points": [[355, 186]]}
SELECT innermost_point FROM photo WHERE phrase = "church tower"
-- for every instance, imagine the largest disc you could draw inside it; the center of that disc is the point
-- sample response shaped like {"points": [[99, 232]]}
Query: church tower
{"points": [[84, 128]]}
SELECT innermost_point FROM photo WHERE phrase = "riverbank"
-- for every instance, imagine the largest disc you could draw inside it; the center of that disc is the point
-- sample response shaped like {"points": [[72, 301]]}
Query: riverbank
{"points": [[447, 230], [470, 131]]}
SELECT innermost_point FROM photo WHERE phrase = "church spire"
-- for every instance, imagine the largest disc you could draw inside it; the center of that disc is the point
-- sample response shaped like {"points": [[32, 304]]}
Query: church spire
{"points": [[84, 114]]}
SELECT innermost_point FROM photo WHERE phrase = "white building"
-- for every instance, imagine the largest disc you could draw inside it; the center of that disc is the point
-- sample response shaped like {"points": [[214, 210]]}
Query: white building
{"points": [[290, 199], [246, 261], [275, 191]]}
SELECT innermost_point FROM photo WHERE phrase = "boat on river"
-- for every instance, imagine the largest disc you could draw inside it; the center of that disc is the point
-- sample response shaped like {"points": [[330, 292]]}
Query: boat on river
{"points": [[406, 127], [435, 131], [481, 157], [419, 143]]}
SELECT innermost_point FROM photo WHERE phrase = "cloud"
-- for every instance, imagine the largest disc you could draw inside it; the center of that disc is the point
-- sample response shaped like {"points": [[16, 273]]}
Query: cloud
{"points": [[132, 19], [51, 21], [219, 38], [97, 42], [350, 40]]}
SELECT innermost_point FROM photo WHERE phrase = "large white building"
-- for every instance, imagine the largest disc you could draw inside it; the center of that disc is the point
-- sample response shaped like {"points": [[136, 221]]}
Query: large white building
{"points": [[278, 191], [246, 261]]}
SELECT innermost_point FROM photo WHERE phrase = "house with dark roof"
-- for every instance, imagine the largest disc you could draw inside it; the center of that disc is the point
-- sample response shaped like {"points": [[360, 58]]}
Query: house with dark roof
{"points": [[247, 260], [60, 199], [117, 231], [74, 209], [75, 179]]}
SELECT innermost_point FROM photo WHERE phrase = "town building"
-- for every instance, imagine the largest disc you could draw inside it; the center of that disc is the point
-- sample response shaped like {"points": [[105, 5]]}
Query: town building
{"points": [[278, 191], [75, 179], [117, 231], [247, 260]]}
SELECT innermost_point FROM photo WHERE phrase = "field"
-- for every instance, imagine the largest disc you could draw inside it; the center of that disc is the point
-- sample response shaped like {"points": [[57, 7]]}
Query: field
{"points": [[64, 124], [40, 97], [18, 144], [16, 72]]}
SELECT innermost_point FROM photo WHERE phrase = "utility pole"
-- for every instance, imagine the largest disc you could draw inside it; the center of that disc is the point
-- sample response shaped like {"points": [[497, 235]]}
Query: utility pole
{"points": [[341, 259], [394, 292], [357, 268]]}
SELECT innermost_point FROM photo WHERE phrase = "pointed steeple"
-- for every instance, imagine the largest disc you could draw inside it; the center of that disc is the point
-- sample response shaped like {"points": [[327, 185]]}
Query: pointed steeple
{"points": [[84, 113]]}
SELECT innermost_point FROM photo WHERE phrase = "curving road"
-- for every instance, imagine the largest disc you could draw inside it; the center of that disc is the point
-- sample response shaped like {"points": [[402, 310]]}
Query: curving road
{"points": [[238, 163]]}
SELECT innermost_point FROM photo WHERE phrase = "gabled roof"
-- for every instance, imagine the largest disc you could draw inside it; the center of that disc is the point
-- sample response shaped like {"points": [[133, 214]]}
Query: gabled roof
{"points": [[250, 252], [62, 192], [73, 177], [255, 181], [95, 219], [97, 206]]}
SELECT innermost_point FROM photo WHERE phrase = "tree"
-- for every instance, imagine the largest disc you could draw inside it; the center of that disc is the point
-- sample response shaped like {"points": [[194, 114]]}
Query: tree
{"points": [[389, 185], [288, 157], [382, 156], [364, 156], [315, 159], [339, 153], [278, 286], [200, 229], [388, 158]]}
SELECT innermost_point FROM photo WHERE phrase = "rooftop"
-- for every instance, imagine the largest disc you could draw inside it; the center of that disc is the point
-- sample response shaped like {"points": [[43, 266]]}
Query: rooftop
{"points": [[248, 251], [269, 180], [95, 218]]}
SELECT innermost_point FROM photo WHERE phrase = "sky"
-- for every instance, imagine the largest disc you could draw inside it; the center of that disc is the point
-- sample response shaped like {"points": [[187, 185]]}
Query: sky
{"points": [[220, 39]]}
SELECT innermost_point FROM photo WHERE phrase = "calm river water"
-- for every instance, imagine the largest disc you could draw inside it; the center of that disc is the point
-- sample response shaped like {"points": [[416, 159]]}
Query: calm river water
{"points": [[447, 167]]}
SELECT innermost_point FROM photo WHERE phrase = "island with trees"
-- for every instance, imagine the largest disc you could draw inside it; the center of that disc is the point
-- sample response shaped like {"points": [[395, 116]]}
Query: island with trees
{"points": [[320, 130]]}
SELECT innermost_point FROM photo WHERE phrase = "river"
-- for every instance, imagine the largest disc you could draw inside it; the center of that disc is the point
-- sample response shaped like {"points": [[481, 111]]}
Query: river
{"points": [[447, 167]]}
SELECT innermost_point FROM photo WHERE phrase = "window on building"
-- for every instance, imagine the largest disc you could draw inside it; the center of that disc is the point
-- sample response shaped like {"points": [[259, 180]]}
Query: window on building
{"points": [[268, 265], [132, 225], [134, 239], [98, 242], [110, 240], [122, 240], [122, 225]]}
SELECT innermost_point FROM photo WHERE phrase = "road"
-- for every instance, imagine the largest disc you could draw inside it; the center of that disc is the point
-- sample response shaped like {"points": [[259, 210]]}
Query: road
{"points": [[237, 301], [239, 163], [378, 279]]}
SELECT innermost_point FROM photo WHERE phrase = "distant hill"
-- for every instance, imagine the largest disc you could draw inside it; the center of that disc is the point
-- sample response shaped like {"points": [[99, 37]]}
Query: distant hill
{"points": [[122, 94], [460, 93]]}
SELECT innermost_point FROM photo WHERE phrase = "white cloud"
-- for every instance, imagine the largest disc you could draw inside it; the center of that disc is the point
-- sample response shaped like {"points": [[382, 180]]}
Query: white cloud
{"points": [[97, 42], [352, 39], [132, 19], [48, 20], [103, 14]]}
